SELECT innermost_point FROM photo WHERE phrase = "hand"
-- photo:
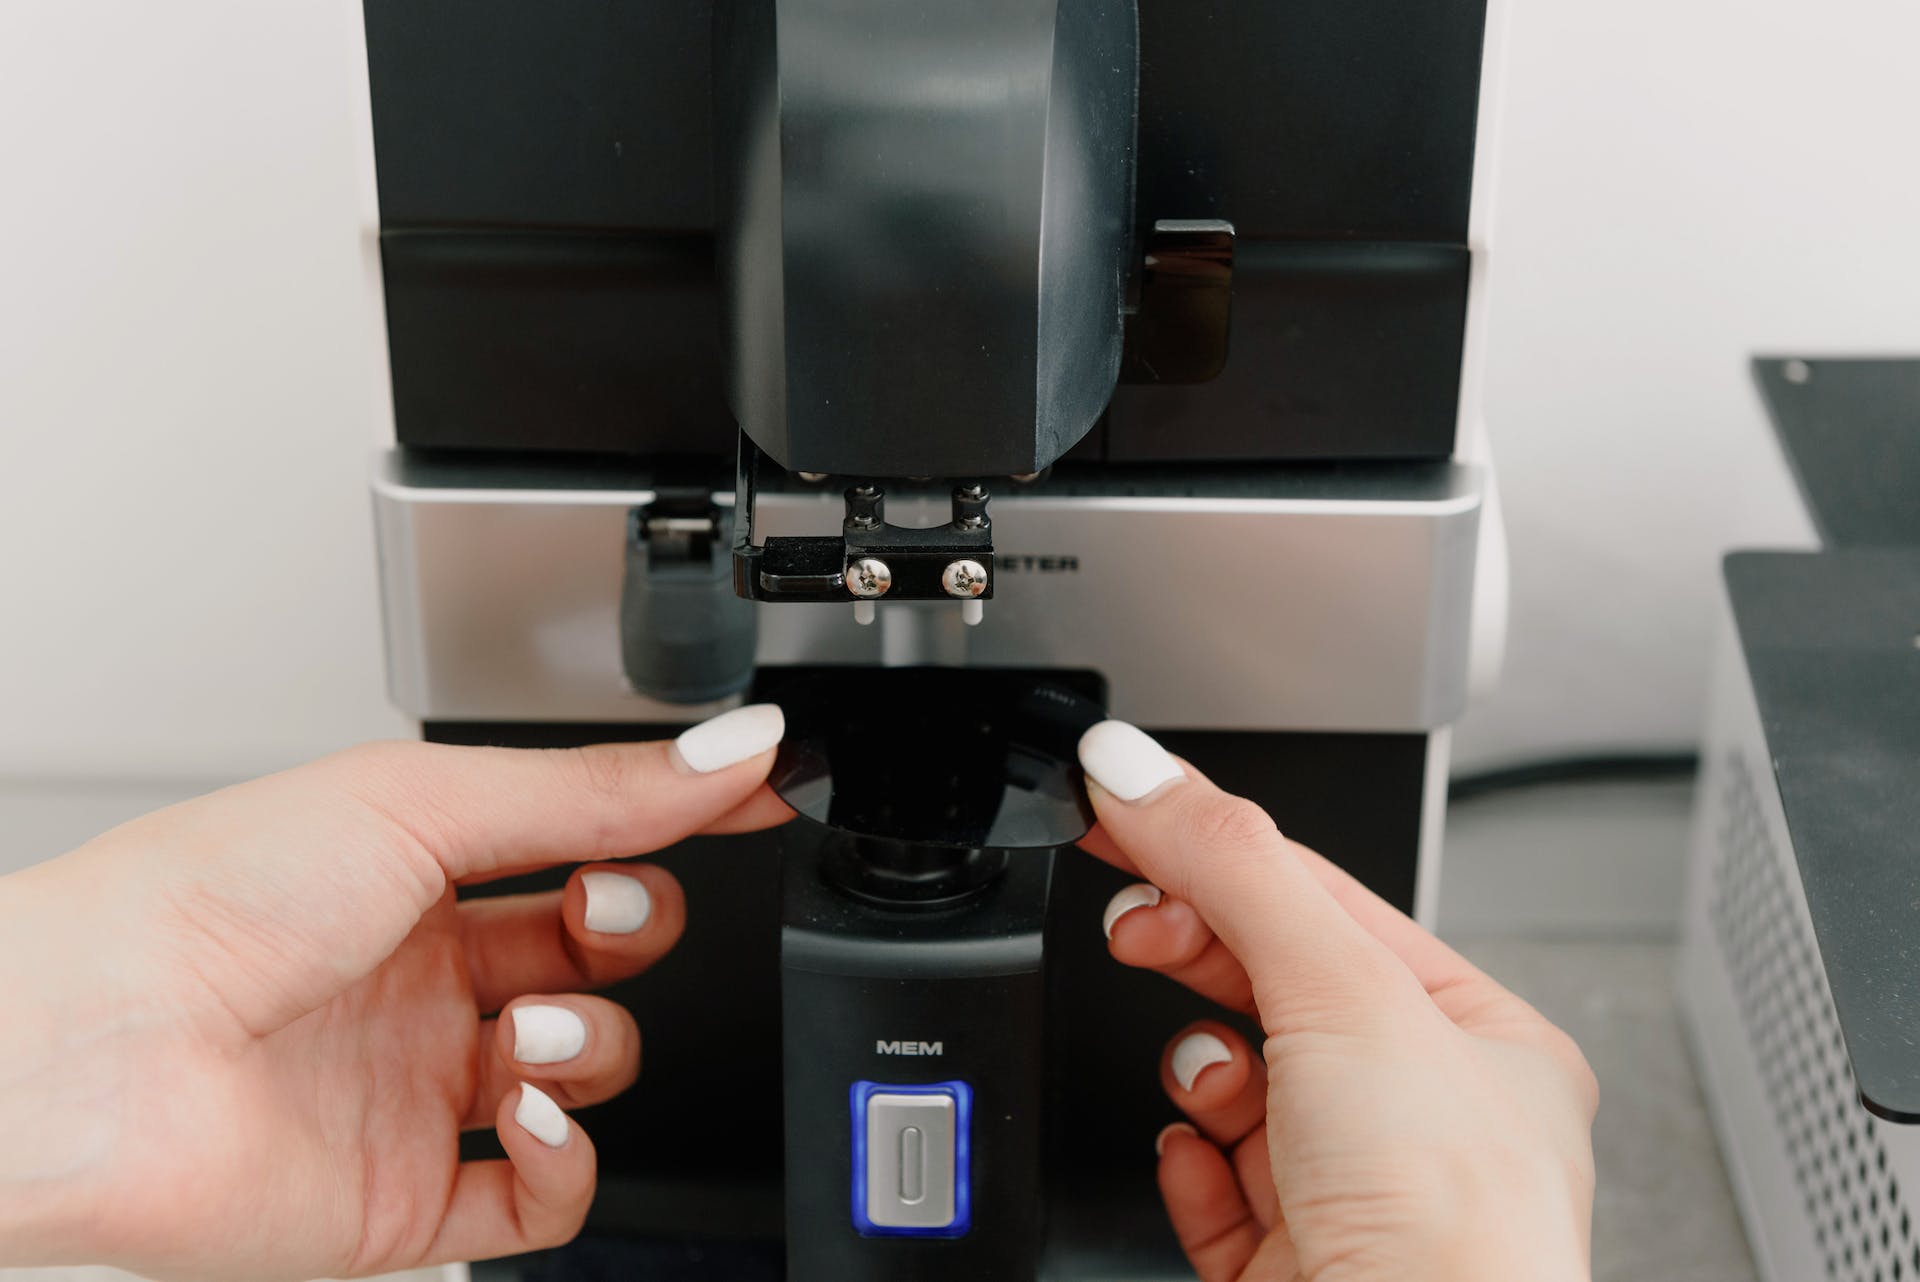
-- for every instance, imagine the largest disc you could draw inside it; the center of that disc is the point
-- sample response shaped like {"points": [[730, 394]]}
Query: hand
{"points": [[242, 1035], [1407, 1117]]}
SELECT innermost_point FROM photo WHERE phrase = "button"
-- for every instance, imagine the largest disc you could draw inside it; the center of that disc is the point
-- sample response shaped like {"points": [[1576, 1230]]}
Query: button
{"points": [[911, 1159], [913, 1166]]}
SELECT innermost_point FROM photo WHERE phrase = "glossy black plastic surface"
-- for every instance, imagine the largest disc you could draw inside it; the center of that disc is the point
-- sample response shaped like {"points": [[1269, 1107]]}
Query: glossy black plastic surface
{"points": [[923, 212], [546, 182], [957, 758], [1178, 333], [1297, 119], [964, 989]]}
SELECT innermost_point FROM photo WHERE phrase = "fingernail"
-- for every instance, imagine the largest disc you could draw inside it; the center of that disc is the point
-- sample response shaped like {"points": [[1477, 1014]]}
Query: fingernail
{"points": [[1175, 1128], [1138, 895], [547, 1034], [731, 737], [1195, 1053], [1126, 761], [540, 1117], [616, 903]]}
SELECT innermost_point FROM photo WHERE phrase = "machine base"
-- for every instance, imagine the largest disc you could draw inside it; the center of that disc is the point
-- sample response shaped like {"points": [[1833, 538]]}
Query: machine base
{"points": [[694, 1194]]}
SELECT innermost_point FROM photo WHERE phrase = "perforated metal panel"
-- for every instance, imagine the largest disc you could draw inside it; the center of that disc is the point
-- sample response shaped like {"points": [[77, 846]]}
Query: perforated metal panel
{"points": [[1851, 1196], [1825, 1187]]}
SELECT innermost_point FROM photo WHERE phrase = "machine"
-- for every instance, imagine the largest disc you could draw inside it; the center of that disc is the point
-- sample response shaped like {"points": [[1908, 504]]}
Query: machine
{"points": [[1797, 974], [953, 375]]}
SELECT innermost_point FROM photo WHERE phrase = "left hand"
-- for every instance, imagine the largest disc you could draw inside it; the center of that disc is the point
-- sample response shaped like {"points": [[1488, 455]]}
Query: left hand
{"points": [[241, 1036]]}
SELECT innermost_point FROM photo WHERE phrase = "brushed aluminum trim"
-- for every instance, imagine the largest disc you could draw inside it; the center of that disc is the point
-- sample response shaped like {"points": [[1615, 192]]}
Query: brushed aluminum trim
{"points": [[1204, 611]]}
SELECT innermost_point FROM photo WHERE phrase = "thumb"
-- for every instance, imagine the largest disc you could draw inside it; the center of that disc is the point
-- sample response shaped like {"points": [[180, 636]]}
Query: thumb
{"points": [[299, 883], [481, 812], [1311, 964]]}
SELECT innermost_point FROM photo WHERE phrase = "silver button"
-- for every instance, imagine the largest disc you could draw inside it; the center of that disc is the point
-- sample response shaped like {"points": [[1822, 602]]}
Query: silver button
{"points": [[913, 1166], [910, 1160]]}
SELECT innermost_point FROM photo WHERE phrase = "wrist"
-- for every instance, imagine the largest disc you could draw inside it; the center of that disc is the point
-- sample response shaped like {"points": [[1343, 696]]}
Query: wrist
{"points": [[1519, 1230], [63, 1066]]}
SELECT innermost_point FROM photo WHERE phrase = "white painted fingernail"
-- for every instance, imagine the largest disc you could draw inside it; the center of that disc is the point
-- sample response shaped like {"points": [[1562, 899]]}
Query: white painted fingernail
{"points": [[547, 1034], [731, 737], [616, 903], [1197, 1051], [1125, 760], [1174, 1128], [1138, 895], [540, 1117]]}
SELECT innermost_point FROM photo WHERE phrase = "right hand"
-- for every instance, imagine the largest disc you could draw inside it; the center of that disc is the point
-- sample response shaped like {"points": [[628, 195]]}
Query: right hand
{"points": [[1407, 1118]]}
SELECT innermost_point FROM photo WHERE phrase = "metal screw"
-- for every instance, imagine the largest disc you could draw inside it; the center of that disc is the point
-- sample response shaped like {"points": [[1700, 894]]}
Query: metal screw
{"points": [[964, 579], [974, 496], [1797, 371], [863, 503], [869, 577]]}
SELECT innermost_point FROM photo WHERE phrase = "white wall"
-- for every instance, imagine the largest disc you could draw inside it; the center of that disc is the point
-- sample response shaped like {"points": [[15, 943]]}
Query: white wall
{"points": [[1679, 186], [186, 574], [186, 358]]}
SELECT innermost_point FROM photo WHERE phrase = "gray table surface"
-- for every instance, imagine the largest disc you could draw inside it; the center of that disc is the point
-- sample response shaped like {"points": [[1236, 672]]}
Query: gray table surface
{"points": [[1663, 1211]]}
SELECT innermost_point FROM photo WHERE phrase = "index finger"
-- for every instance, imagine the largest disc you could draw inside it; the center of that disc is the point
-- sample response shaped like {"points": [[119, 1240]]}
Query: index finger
{"points": [[1311, 964], [1432, 962], [480, 812]]}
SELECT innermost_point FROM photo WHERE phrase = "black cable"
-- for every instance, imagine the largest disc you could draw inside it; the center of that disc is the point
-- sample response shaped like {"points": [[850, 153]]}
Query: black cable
{"points": [[1616, 767]]}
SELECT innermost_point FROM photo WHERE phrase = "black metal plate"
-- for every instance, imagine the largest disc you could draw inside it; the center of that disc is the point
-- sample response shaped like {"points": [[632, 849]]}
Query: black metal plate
{"points": [[1851, 430], [1832, 642]]}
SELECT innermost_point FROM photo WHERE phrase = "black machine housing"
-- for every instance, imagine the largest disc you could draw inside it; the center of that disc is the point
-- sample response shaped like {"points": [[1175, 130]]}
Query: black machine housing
{"points": [[1261, 258], [548, 207]]}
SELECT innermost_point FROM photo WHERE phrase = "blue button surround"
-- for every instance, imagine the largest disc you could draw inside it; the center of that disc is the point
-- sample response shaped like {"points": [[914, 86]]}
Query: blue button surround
{"points": [[962, 1096]]}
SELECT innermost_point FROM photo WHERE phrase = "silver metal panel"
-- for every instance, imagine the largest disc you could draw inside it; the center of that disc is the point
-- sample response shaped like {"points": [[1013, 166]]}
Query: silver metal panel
{"points": [[1340, 607], [910, 1161]]}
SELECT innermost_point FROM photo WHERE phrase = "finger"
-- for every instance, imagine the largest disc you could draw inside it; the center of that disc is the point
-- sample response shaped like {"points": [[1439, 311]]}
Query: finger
{"points": [[1212, 1076], [1432, 962], [1147, 929], [1464, 993], [579, 1050], [1253, 1167], [348, 854], [763, 809], [1100, 845], [1310, 963], [1209, 1212], [536, 1199], [609, 922], [478, 810]]}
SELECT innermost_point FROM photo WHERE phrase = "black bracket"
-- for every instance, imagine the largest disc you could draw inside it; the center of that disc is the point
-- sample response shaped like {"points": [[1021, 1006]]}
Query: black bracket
{"points": [[1179, 334], [870, 560]]}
